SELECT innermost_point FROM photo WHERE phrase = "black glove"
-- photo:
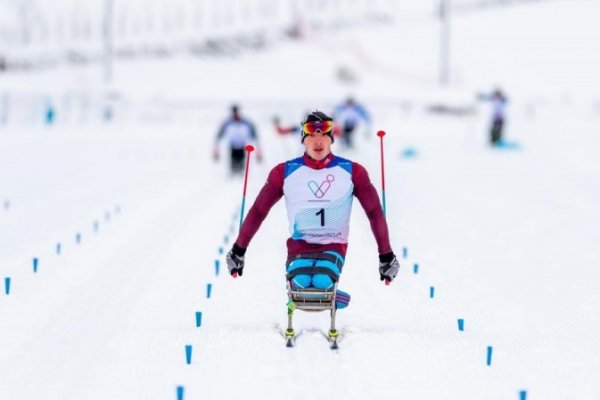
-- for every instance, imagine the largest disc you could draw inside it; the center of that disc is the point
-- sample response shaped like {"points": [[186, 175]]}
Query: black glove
{"points": [[388, 266], [235, 260]]}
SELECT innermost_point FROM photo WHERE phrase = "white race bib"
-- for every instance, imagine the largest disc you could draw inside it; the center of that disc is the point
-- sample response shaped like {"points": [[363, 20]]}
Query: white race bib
{"points": [[319, 202]]}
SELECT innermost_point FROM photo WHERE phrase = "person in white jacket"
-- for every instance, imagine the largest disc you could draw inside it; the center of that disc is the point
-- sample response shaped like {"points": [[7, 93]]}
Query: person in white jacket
{"points": [[498, 101], [348, 116], [238, 132]]}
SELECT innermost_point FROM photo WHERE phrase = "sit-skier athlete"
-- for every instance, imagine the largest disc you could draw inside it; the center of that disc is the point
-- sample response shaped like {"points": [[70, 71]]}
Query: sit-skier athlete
{"points": [[318, 189]]}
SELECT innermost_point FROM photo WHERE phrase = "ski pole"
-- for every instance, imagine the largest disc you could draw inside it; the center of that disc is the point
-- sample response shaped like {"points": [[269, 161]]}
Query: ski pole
{"points": [[381, 134], [249, 149]]}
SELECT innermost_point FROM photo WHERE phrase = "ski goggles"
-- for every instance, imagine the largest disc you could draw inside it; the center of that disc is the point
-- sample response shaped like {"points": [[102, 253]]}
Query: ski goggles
{"points": [[312, 128]]}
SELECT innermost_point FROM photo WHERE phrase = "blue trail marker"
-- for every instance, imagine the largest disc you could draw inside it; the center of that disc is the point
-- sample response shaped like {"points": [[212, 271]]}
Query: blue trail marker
{"points": [[78, 238], [217, 267], [461, 324], [523, 395], [405, 252], [180, 391], [416, 268], [96, 226], [6, 204], [188, 354], [431, 292], [198, 319], [7, 285], [58, 248], [489, 355], [221, 250], [35, 265], [107, 216], [226, 239], [208, 290]]}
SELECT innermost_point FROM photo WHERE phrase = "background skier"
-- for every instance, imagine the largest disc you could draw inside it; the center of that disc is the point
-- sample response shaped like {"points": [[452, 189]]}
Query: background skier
{"points": [[238, 132], [498, 101], [349, 115]]}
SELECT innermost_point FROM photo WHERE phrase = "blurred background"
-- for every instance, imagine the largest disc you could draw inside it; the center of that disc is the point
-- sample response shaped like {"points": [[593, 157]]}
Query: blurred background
{"points": [[84, 58]]}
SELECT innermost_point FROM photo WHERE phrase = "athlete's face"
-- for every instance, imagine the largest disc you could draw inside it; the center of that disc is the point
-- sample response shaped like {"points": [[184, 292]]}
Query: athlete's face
{"points": [[317, 145]]}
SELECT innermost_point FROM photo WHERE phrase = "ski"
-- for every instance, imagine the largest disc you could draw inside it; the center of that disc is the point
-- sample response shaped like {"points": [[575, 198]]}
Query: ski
{"points": [[290, 338], [332, 337]]}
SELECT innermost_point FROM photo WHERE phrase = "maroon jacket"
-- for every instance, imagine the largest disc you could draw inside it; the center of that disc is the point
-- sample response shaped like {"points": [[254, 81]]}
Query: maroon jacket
{"points": [[272, 191]]}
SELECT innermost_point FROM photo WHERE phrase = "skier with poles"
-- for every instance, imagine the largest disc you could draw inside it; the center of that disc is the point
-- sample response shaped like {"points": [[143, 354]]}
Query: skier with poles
{"points": [[318, 188], [239, 132], [349, 115], [499, 102]]}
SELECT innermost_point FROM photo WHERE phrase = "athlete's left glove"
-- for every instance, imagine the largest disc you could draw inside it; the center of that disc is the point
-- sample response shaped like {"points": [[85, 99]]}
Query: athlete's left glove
{"points": [[235, 260], [388, 267]]}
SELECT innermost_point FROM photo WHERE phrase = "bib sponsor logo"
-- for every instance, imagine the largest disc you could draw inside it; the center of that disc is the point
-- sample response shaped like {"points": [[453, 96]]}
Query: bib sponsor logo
{"points": [[320, 190]]}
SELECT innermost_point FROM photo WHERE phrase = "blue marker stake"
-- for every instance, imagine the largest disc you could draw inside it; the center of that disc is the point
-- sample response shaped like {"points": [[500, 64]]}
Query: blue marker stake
{"points": [[208, 290], [523, 395], [35, 265], [489, 355], [188, 354], [7, 285], [6, 205], [416, 268], [58, 248], [179, 392], [217, 267], [96, 226], [107, 216], [461, 324], [431, 292], [78, 238], [220, 250], [226, 239], [198, 319], [404, 252]]}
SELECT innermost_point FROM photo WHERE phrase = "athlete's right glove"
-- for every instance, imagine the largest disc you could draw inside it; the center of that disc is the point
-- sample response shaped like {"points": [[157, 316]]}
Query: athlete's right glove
{"points": [[235, 260], [388, 267]]}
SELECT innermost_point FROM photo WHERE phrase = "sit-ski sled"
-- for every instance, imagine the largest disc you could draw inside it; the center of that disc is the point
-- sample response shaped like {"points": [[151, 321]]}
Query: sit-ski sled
{"points": [[312, 300]]}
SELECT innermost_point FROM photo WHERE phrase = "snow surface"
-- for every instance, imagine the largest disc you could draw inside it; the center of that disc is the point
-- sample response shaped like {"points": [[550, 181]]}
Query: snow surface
{"points": [[508, 237]]}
